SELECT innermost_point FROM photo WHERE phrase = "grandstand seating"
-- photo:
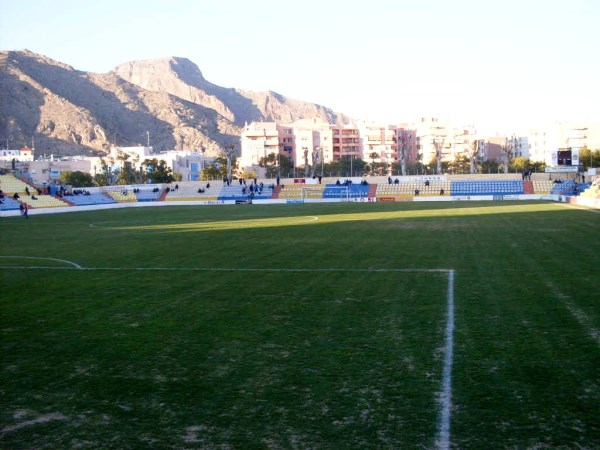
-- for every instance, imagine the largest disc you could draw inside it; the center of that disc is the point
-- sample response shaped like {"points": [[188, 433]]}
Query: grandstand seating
{"points": [[11, 185], [407, 189], [564, 188], [8, 204], [188, 191], [237, 192], [379, 187], [497, 187], [122, 196], [294, 191], [344, 191], [542, 186], [92, 199], [146, 195]]}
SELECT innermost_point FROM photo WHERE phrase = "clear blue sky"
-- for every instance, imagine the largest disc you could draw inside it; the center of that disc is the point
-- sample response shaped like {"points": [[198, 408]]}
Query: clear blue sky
{"points": [[494, 64]]}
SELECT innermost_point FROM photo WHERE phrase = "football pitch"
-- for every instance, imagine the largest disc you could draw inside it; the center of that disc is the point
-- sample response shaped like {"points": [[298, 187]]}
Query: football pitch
{"points": [[308, 326]]}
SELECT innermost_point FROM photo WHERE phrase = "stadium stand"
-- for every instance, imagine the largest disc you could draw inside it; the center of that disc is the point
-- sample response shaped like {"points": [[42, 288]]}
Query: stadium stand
{"points": [[191, 191], [237, 191], [346, 190], [294, 191], [542, 186], [406, 190], [9, 184], [563, 188], [147, 195], [91, 199], [8, 204], [494, 187]]}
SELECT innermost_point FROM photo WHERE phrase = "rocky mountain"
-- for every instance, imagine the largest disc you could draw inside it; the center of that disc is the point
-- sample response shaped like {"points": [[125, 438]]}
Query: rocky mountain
{"points": [[182, 78], [63, 111]]}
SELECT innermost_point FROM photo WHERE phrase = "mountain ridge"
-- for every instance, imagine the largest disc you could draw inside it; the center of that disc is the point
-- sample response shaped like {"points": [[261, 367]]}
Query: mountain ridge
{"points": [[65, 111]]}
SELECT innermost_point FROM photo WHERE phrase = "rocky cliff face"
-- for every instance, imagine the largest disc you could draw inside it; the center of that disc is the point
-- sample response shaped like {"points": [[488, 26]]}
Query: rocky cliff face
{"points": [[65, 111], [183, 78]]}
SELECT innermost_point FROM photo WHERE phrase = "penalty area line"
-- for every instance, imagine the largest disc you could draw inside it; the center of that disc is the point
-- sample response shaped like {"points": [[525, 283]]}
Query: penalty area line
{"points": [[442, 438], [445, 413], [75, 266]]}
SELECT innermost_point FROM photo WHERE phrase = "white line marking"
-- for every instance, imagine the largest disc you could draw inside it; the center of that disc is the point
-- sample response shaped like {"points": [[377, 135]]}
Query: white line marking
{"points": [[445, 397], [443, 433], [222, 269], [75, 266]]}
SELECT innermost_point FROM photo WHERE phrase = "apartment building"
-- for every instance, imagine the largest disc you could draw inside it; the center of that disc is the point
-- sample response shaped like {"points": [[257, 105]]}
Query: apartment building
{"points": [[406, 141], [380, 140], [346, 142], [575, 135], [312, 141], [450, 141], [303, 141], [258, 140]]}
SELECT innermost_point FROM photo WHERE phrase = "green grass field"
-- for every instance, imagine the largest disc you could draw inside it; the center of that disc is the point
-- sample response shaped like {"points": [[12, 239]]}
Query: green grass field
{"points": [[301, 326]]}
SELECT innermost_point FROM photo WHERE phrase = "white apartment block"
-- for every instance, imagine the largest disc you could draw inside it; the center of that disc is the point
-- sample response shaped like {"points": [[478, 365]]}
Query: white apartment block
{"points": [[575, 135], [258, 140], [135, 155], [378, 139], [454, 141], [188, 164], [303, 140]]}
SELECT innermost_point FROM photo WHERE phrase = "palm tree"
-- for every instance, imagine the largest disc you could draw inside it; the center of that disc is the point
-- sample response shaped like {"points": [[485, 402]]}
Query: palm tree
{"points": [[373, 156]]}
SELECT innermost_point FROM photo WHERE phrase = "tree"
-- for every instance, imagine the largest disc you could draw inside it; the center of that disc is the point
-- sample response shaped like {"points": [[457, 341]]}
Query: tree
{"points": [[587, 157], [489, 166], [77, 178], [157, 171], [474, 152], [230, 160], [438, 144], [216, 170], [106, 177], [373, 156], [403, 145], [508, 150], [286, 164], [129, 175], [520, 163], [459, 165]]}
